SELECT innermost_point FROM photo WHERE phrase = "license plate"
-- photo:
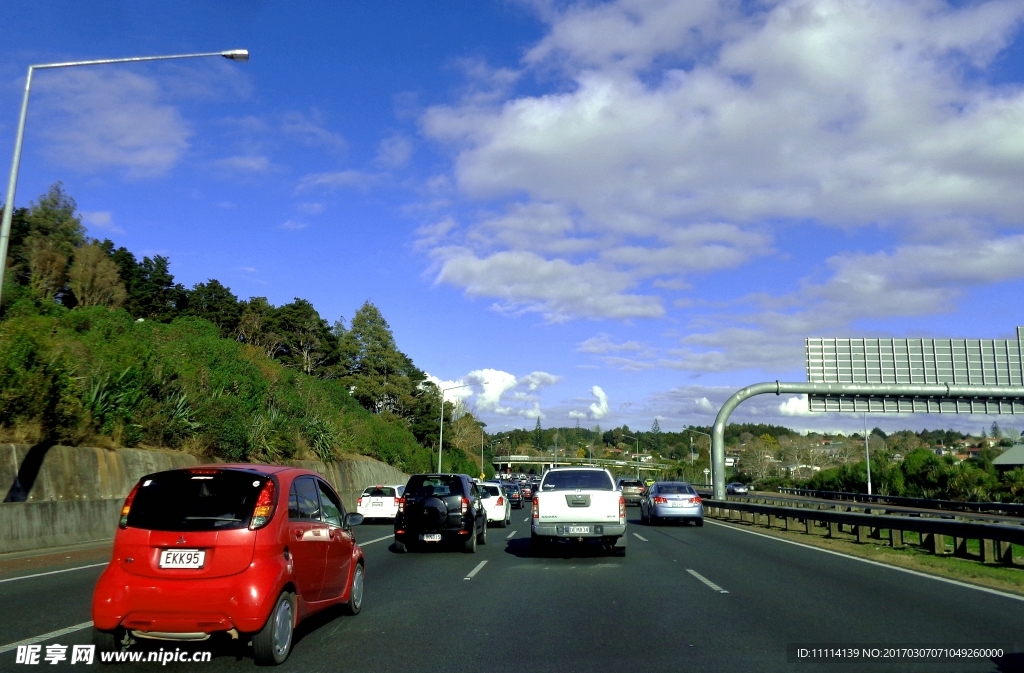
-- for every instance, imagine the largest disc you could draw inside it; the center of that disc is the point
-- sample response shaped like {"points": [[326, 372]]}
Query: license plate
{"points": [[678, 503], [573, 530], [376, 504], [182, 558], [431, 537]]}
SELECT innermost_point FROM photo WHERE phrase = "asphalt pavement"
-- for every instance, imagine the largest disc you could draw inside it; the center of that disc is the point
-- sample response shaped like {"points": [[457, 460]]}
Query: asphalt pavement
{"points": [[683, 599]]}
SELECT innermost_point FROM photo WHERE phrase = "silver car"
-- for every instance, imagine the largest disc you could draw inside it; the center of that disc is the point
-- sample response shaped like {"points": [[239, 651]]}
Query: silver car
{"points": [[671, 501], [736, 488]]}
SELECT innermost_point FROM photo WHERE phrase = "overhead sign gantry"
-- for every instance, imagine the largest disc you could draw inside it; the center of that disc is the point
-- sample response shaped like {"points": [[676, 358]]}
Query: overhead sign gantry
{"points": [[958, 376]]}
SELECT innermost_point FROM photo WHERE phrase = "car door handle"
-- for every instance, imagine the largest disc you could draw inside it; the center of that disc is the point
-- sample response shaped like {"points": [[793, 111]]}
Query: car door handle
{"points": [[298, 534]]}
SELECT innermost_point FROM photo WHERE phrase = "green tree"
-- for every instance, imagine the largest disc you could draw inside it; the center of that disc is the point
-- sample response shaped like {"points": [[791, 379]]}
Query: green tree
{"points": [[382, 378], [656, 441], [307, 342], [214, 302], [538, 436], [93, 278]]}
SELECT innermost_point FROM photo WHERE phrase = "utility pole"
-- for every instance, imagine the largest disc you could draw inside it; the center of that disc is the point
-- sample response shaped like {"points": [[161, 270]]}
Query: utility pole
{"points": [[867, 450]]}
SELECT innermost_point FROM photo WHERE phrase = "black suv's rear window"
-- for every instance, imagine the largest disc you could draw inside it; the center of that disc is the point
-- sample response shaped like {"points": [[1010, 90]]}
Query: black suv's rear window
{"points": [[194, 501], [572, 479], [423, 485]]}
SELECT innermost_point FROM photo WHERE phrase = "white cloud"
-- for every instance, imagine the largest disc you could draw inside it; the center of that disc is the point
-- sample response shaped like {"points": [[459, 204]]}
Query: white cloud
{"points": [[246, 164], [499, 392], [311, 208], [795, 406], [599, 409], [557, 289], [337, 180], [293, 225], [603, 343], [394, 152], [309, 129], [101, 219], [672, 129], [110, 118]]}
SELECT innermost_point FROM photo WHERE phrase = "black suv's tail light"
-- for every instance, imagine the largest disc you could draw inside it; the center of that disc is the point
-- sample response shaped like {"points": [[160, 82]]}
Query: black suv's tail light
{"points": [[465, 505]]}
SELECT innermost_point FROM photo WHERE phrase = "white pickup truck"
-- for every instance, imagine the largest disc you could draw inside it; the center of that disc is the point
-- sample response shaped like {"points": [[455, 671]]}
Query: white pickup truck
{"points": [[579, 504]]}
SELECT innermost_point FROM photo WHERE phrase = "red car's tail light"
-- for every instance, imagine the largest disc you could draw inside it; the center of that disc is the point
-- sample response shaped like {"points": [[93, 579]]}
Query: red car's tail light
{"points": [[264, 506], [401, 503], [658, 500], [501, 501], [203, 470], [536, 508], [622, 509], [465, 505], [127, 507]]}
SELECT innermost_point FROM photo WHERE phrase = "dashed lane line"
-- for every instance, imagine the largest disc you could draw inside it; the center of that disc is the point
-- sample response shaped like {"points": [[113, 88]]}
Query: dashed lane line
{"points": [[510, 535], [45, 636], [706, 581], [52, 572], [475, 570], [641, 537], [380, 539], [526, 520]]}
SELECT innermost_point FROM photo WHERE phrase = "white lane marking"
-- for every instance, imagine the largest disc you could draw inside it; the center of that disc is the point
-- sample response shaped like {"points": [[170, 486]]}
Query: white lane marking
{"points": [[475, 570], [53, 572], [510, 535], [706, 581], [641, 537], [997, 592], [526, 520], [45, 636], [368, 542]]}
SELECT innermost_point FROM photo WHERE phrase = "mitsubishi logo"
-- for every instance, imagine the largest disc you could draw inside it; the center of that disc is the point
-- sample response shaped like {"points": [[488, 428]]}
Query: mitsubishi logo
{"points": [[181, 540]]}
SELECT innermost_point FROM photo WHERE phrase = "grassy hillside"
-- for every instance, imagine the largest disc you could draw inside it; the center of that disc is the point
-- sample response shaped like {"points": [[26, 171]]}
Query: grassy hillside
{"points": [[98, 376]]}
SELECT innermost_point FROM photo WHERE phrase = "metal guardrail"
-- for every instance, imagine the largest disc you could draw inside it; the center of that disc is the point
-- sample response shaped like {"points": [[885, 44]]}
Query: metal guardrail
{"points": [[995, 540], [1008, 508]]}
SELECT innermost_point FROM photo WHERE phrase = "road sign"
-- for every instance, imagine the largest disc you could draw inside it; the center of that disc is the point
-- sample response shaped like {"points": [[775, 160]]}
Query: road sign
{"points": [[954, 362]]}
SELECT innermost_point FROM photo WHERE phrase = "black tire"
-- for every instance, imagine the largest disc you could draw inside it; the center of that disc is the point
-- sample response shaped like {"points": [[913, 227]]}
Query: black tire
{"points": [[355, 594], [273, 643], [481, 538], [469, 546], [107, 641], [503, 523], [699, 522], [399, 547]]}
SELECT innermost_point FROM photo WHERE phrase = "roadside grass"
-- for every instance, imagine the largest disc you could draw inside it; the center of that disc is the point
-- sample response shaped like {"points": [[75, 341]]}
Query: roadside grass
{"points": [[913, 557]]}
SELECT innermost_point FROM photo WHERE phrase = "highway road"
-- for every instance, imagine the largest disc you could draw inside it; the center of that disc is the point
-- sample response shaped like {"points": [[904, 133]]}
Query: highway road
{"points": [[683, 599]]}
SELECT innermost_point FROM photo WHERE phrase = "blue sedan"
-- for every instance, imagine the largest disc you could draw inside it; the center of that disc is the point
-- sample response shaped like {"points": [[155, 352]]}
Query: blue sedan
{"points": [[671, 500]]}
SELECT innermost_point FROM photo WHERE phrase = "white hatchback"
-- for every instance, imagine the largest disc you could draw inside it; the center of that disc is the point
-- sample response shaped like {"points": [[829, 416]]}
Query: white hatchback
{"points": [[496, 504], [380, 502]]}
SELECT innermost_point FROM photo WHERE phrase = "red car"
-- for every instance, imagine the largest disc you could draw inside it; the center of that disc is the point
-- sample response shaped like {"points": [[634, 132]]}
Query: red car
{"points": [[210, 550]]}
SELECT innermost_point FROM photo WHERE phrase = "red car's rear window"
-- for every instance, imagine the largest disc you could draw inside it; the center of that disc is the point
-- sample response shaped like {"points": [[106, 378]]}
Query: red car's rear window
{"points": [[203, 500]]}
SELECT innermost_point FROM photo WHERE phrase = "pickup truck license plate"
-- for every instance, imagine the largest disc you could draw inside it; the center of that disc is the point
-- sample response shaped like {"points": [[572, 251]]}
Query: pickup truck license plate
{"points": [[431, 537], [182, 558], [575, 530]]}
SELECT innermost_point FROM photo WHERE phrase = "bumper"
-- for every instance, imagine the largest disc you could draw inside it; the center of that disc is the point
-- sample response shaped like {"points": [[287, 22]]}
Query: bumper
{"points": [[241, 601], [377, 512], [632, 499], [495, 515], [663, 512], [561, 530]]}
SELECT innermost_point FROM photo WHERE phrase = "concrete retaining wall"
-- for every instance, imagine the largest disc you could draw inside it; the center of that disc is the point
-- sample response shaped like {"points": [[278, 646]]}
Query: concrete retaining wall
{"points": [[66, 495]]}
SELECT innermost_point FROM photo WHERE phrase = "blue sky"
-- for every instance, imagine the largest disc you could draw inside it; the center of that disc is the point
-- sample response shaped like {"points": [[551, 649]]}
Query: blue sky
{"points": [[608, 212]]}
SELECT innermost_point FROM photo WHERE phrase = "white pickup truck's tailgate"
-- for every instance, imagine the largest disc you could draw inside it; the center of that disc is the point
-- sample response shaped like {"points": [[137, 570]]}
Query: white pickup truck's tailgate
{"points": [[578, 506]]}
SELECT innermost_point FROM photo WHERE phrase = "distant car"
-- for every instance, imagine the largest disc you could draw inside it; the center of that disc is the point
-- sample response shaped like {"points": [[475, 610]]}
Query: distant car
{"points": [[514, 493], [675, 500], [736, 488], [246, 550], [440, 508], [527, 490], [380, 502], [632, 490], [497, 504]]}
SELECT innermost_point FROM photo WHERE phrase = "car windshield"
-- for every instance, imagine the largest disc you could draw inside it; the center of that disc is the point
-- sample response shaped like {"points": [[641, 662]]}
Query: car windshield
{"points": [[593, 480], [421, 485], [184, 500], [682, 489], [379, 492]]}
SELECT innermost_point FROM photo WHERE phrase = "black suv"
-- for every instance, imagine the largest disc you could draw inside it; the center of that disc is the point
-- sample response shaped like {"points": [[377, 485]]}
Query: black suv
{"points": [[439, 508]]}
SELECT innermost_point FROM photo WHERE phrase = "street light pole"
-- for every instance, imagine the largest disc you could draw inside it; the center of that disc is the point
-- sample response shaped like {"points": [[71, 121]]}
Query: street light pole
{"points": [[12, 182], [440, 439], [867, 450]]}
